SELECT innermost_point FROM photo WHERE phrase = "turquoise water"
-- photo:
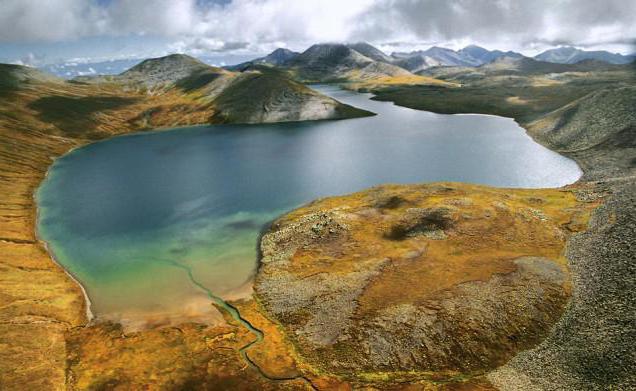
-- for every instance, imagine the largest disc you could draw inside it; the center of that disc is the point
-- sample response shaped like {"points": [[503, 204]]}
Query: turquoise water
{"points": [[128, 217]]}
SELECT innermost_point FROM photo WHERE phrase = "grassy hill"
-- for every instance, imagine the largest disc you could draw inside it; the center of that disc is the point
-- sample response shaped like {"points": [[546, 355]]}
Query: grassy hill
{"points": [[268, 96], [524, 89], [164, 92]]}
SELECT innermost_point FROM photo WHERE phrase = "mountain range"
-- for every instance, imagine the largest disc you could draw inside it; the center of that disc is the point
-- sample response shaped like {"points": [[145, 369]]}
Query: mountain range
{"points": [[570, 55], [177, 89], [361, 53], [414, 61]]}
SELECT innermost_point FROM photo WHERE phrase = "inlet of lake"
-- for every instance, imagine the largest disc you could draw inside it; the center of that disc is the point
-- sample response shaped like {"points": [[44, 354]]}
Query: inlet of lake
{"points": [[132, 216]]}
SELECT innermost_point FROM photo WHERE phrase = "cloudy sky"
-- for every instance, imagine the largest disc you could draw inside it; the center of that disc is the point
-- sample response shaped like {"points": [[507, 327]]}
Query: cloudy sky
{"points": [[37, 32]]}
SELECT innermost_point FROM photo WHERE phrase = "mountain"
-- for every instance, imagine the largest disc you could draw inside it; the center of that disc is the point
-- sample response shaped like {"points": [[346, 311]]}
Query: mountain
{"points": [[259, 93], [370, 51], [484, 56], [529, 66], [159, 71], [268, 96], [526, 71], [470, 56], [435, 56], [416, 62], [339, 62], [603, 118], [278, 57], [330, 55], [16, 76], [571, 55], [451, 57]]}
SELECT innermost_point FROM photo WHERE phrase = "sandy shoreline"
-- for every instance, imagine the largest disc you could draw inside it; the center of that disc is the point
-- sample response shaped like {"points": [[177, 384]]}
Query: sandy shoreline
{"points": [[87, 300]]}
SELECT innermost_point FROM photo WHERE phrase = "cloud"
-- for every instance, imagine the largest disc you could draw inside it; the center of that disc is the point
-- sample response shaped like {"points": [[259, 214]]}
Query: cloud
{"points": [[507, 22], [258, 25], [35, 20], [238, 20], [199, 45]]}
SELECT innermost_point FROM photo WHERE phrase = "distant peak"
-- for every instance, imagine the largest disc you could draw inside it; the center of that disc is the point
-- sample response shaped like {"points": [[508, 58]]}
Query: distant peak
{"points": [[11, 74], [360, 43], [173, 57], [566, 49], [327, 45], [177, 55], [281, 50]]}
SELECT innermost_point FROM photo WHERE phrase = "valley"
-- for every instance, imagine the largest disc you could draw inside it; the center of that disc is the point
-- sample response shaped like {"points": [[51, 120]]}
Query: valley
{"points": [[528, 286]]}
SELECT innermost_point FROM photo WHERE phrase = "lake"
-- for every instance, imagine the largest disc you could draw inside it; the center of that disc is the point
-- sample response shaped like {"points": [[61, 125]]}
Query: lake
{"points": [[130, 217]]}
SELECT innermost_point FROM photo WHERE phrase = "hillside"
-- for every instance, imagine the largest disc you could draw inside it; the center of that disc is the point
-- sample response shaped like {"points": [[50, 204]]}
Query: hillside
{"points": [[345, 276], [278, 57], [15, 76], [516, 87], [600, 126], [42, 117], [257, 94], [370, 51], [470, 56], [163, 70], [265, 96], [352, 290], [338, 62], [571, 55], [419, 281]]}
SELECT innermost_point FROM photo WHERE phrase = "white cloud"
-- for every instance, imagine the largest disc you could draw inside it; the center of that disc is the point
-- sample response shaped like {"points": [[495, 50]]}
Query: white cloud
{"points": [[261, 25], [505, 23]]}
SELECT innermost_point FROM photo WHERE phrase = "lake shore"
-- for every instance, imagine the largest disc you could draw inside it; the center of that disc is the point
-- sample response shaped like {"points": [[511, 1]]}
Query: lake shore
{"points": [[589, 348], [43, 303], [208, 217]]}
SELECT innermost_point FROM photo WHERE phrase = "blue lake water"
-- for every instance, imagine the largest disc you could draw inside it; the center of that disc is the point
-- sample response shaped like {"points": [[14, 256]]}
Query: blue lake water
{"points": [[120, 214]]}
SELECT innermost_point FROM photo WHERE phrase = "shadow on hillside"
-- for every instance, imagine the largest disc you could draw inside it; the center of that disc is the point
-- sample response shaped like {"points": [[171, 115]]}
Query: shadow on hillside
{"points": [[75, 115], [196, 80]]}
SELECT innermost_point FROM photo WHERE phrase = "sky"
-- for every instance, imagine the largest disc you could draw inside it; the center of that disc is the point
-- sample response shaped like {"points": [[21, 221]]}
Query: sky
{"points": [[37, 32]]}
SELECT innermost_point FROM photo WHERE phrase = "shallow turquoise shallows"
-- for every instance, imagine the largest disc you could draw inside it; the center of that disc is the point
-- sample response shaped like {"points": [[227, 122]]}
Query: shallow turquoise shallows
{"points": [[129, 216]]}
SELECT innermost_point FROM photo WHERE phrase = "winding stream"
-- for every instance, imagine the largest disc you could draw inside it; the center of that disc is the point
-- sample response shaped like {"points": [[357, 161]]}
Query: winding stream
{"points": [[129, 215]]}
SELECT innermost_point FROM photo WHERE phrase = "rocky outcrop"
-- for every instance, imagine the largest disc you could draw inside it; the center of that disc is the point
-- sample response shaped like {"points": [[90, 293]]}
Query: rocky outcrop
{"points": [[440, 280]]}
